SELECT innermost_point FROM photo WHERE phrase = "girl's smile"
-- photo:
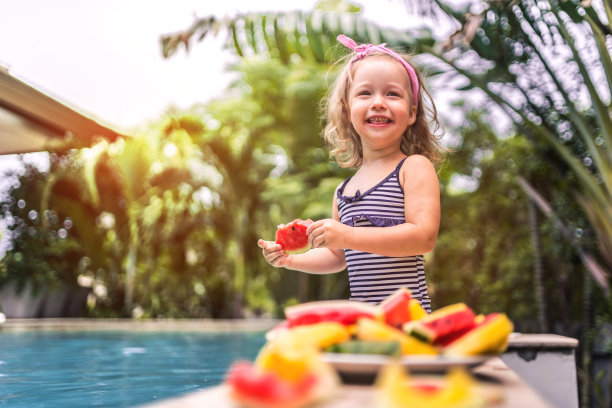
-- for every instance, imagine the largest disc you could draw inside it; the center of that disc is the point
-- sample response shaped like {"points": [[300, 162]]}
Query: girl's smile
{"points": [[378, 120]]}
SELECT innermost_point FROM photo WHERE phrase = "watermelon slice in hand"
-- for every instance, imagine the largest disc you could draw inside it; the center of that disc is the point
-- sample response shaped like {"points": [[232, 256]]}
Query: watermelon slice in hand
{"points": [[292, 237]]}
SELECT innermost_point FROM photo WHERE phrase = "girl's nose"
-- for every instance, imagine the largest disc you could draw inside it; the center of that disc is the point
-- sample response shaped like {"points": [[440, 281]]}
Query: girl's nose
{"points": [[378, 101]]}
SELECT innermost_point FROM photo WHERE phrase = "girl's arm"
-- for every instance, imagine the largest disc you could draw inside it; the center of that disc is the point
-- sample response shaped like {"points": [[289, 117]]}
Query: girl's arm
{"points": [[316, 261], [416, 236]]}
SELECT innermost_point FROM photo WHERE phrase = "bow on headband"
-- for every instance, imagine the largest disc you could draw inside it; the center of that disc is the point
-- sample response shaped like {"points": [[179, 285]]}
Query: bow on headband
{"points": [[363, 50]]}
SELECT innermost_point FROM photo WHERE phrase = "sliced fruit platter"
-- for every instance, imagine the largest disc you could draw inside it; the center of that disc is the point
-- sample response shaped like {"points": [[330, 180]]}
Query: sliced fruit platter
{"points": [[302, 357], [397, 327]]}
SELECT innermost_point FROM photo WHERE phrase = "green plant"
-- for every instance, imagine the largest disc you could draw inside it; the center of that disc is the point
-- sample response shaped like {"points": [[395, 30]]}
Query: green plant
{"points": [[516, 52]]}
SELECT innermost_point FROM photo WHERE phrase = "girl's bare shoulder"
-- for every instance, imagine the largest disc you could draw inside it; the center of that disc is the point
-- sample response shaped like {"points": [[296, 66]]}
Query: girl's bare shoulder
{"points": [[417, 165], [416, 161]]}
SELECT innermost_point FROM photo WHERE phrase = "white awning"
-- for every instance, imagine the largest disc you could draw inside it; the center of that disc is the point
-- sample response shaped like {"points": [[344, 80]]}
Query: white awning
{"points": [[32, 121]]}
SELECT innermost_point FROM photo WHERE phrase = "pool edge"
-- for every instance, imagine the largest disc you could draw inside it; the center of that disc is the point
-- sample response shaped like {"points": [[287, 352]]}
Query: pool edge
{"points": [[192, 325]]}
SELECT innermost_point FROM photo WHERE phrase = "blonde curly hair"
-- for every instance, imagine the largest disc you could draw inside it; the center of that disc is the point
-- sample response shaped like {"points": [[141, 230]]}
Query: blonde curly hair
{"points": [[345, 143]]}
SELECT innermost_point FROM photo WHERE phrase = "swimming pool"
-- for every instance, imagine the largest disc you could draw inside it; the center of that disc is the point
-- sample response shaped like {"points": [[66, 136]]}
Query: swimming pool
{"points": [[114, 368]]}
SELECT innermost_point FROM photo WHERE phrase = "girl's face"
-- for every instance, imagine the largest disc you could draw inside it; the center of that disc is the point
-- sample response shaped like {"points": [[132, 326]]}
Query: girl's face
{"points": [[380, 102]]}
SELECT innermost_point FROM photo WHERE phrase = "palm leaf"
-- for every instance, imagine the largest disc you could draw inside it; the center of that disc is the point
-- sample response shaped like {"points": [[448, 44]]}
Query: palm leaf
{"points": [[303, 34], [584, 129], [601, 110], [595, 269]]}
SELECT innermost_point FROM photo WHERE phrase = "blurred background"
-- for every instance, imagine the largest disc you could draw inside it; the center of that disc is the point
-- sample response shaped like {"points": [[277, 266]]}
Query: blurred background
{"points": [[213, 112]]}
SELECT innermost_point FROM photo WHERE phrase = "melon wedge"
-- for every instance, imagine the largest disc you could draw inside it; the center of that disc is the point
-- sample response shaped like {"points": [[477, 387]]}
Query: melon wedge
{"points": [[292, 237], [416, 310], [489, 337], [457, 389], [318, 335], [254, 388], [452, 320], [373, 330], [396, 307], [282, 376], [346, 312]]}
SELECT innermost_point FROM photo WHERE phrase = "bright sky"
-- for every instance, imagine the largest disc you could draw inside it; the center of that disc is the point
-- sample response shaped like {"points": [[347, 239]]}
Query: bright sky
{"points": [[104, 56]]}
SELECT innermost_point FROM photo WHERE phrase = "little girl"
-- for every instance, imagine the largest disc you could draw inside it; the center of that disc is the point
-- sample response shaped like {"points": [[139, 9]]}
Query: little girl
{"points": [[387, 215]]}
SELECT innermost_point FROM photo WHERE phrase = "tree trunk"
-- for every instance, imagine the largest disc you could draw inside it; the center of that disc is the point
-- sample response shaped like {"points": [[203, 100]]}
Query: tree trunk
{"points": [[130, 270], [585, 396], [538, 285], [302, 287], [239, 284]]}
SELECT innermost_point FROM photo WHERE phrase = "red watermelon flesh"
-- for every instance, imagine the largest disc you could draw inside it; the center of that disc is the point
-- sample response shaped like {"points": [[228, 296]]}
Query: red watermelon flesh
{"points": [[292, 237], [448, 339], [446, 323], [253, 387], [345, 312], [396, 307]]}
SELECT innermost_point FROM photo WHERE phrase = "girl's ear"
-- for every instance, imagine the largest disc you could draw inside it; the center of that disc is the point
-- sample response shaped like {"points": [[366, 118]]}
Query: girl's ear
{"points": [[412, 115], [345, 109]]}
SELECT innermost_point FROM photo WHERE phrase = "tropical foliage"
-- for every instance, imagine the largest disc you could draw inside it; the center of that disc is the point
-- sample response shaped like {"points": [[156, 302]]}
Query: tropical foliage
{"points": [[485, 254], [51, 250], [533, 59]]}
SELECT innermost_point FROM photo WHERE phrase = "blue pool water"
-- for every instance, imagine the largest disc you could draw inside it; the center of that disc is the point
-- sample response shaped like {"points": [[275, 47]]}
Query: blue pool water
{"points": [[114, 369]]}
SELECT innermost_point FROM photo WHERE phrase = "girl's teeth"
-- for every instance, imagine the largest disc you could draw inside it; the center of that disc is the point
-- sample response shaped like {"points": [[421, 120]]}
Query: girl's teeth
{"points": [[378, 120]]}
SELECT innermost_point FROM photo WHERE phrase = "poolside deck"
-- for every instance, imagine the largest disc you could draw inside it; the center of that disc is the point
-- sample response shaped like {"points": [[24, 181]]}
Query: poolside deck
{"points": [[502, 388]]}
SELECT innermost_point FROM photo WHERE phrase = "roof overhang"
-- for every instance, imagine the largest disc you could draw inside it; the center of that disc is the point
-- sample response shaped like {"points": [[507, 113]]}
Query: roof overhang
{"points": [[32, 121]]}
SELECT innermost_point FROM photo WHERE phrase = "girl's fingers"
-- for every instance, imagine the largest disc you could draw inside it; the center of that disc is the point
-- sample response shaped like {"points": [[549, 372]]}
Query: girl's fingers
{"points": [[276, 260], [313, 227], [318, 241], [267, 244], [273, 253], [315, 237]]}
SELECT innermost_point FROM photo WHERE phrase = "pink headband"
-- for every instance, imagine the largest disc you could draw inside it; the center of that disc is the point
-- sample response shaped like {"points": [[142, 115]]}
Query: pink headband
{"points": [[364, 50]]}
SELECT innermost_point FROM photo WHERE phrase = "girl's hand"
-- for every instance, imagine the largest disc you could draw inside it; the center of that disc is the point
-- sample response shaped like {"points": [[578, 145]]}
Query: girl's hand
{"points": [[274, 254], [327, 233]]}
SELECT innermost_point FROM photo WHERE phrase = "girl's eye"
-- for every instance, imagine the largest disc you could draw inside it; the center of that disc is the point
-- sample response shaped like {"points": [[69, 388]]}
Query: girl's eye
{"points": [[393, 93], [362, 93]]}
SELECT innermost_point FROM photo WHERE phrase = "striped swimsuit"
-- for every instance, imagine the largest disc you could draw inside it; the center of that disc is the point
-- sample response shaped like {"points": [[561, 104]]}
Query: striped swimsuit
{"points": [[374, 277]]}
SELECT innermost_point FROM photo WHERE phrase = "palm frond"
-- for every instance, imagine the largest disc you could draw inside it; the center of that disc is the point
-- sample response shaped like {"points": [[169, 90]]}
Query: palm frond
{"points": [[286, 35]]}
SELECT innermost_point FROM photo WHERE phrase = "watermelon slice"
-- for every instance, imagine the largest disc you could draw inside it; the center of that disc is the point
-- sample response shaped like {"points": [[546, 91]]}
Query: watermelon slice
{"points": [[452, 320], [346, 312], [292, 237], [396, 307], [256, 388], [490, 336], [372, 330]]}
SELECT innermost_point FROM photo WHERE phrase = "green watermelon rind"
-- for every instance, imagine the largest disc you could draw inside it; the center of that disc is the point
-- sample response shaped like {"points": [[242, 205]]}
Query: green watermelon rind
{"points": [[423, 331], [419, 335], [299, 251]]}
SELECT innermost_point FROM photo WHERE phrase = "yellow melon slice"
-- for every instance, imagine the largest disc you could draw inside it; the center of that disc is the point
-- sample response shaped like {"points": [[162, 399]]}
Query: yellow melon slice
{"points": [[374, 330], [489, 337], [396, 389]]}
